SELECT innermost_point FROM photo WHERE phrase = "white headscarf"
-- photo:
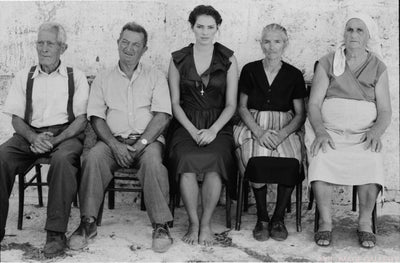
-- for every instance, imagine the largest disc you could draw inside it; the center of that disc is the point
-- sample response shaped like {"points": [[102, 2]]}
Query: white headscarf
{"points": [[373, 45]]}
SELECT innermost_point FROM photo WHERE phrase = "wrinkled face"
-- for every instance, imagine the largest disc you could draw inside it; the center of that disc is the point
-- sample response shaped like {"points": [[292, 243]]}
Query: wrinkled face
{"points": [[131, 47], [48, 49], [273, 44], [204, 29], [356, 34]]}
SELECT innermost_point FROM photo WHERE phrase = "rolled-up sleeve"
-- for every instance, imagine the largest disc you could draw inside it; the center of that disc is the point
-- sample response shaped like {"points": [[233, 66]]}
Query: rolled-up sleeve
{"points": [[16, 99], [96, 105], [161, 100], [81, 94]]}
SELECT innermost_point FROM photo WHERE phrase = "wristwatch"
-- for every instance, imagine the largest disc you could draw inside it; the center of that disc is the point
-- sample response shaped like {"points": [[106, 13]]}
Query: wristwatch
{"points": [[144, 142]]}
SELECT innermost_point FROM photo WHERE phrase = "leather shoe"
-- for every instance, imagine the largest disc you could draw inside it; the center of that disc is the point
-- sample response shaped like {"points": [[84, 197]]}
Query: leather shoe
{"points": [[260, 231], [86, 230], [56, 243], [162, 239], [278, 231]]}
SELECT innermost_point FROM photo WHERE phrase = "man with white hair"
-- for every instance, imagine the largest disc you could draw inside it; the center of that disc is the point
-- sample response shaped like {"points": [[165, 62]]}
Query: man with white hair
{"points": [[47, 103]]}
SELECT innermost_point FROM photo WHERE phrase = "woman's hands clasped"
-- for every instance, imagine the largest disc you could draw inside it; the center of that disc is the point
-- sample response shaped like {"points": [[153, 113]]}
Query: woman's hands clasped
{"points": [[271, 139]]}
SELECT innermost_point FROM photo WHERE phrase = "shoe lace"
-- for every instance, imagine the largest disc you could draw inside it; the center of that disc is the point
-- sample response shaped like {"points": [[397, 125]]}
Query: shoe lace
{"points": [[161, 230]]}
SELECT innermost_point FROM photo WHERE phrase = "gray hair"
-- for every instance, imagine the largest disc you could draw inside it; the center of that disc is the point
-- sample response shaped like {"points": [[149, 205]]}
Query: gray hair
{"points": [[276, 27], [61, 34]]}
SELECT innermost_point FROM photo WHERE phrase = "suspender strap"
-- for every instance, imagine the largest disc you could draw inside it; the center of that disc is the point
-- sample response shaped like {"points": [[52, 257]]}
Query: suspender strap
{"points": [[29, 87], [28, 103], [71, 90]]}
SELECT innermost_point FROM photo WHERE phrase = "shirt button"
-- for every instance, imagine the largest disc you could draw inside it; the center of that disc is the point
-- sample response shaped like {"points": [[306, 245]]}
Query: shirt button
{"points": [[268, 101], [269, 90]]}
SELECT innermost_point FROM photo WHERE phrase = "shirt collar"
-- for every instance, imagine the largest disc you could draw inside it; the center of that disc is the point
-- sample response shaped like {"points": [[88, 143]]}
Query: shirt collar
{"points": [[137, 71], [62, 70]]}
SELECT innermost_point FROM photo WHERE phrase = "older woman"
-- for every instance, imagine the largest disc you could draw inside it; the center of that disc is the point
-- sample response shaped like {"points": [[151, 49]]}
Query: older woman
{"points": [[349, 111], [203, 84], [272, 110]]}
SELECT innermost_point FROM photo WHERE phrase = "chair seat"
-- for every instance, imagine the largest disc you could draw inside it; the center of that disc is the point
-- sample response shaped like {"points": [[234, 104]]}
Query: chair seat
{"points": [[274, 170]]}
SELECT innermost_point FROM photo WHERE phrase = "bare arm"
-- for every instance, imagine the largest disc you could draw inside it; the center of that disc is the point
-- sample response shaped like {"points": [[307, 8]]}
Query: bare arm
{"points": [[319, 87], [153, 130], [208, 135], [120, 150], [179, 114], [384, 109], [74, 129]]}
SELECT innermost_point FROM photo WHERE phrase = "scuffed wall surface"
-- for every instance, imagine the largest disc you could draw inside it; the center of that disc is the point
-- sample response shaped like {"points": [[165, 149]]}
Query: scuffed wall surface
{"points": [[314, 28]]}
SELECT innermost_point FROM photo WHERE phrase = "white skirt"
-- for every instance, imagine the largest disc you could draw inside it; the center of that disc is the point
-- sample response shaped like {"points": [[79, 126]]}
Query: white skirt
{"points": [[349, 164]]}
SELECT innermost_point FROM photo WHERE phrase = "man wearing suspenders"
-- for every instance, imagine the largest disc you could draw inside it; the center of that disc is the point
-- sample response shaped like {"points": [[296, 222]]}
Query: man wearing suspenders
{"points": [[47, 103]]}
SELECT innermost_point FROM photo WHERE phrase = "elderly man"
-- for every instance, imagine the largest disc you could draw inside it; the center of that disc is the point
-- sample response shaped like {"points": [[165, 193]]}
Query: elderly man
{"points": [[129, 108], [47, 103]]}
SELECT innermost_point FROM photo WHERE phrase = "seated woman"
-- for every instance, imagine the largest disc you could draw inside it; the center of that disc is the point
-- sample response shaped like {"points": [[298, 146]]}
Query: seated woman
{"points": [[272, 110], [203, 85], [349, 111]]}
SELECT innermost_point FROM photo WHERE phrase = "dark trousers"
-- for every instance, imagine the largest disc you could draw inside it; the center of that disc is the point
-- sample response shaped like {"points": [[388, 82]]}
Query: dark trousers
{"points": [[16, 157]]}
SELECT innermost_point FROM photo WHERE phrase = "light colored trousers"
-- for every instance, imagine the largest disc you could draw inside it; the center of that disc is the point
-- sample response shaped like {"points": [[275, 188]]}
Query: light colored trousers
{"points": [[98, 168]]}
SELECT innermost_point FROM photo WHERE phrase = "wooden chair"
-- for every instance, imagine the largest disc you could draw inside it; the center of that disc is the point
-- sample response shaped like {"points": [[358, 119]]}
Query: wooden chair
{"points": [[243, 189], [354, 209], [23, 184], [126, 175]]}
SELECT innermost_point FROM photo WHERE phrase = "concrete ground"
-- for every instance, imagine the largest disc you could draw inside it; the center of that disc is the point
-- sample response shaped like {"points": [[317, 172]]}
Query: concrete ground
{"points": [[125, 235]]}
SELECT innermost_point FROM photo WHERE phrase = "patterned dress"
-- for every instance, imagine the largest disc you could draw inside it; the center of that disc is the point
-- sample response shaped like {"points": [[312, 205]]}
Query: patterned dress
{"points": [[271, 106]]}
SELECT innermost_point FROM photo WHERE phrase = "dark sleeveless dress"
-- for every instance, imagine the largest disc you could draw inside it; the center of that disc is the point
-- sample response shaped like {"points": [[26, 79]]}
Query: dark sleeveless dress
{"points": [[185, 156]]}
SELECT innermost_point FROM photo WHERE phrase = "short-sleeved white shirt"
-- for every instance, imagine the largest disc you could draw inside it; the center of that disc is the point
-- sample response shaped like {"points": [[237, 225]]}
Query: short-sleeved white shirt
{"points": [[128, 105], [49, 96]]}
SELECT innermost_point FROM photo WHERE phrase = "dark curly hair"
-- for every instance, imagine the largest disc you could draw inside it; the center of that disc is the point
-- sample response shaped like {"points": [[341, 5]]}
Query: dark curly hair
{"points": [[204, 10]]}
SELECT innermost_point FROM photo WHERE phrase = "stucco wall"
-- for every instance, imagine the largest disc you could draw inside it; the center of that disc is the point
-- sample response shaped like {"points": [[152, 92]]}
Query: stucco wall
{"points": [[314, 28]]}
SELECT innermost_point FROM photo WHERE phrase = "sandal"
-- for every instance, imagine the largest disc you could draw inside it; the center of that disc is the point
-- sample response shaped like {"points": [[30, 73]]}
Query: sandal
{"points": [[364, 236], [323, 236]]}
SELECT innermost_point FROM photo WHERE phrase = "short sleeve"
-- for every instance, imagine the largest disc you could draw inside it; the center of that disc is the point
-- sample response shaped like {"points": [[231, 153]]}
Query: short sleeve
{"points": [[16, 99], [161, 100], [326, 63], [300, 86], [96, 104], [244, 81], [81, 94]]}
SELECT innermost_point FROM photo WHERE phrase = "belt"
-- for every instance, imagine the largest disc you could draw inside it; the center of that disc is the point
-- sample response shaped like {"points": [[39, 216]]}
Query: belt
{"points": [[132, 138]]}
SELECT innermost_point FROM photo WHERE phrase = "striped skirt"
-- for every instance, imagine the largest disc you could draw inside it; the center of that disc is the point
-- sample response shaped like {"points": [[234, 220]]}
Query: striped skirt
{"points": [[247, 146]]}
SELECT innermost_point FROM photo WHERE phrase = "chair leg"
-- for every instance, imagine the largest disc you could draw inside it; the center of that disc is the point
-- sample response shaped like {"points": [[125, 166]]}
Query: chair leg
{"points": [[142, 205], [100, 214], [246, 195], [298, 206], [39, 184], [111, 195], [316, 219], [354, 201], [289, 206], [374, 218], [239, 204], [21, 189], [228, 206], [311, 200]]}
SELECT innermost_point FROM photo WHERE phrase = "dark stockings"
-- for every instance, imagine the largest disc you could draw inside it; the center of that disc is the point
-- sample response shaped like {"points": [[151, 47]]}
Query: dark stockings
{"points": [[284, 194], [260, 195]]}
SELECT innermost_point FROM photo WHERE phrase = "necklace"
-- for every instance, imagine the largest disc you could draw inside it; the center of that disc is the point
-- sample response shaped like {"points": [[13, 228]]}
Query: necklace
{"points": [[202, 91]]}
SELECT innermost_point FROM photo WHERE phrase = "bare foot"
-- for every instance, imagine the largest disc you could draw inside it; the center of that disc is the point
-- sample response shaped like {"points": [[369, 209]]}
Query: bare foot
{"points": [[206, 236], [192, 235], [366, 227]]}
